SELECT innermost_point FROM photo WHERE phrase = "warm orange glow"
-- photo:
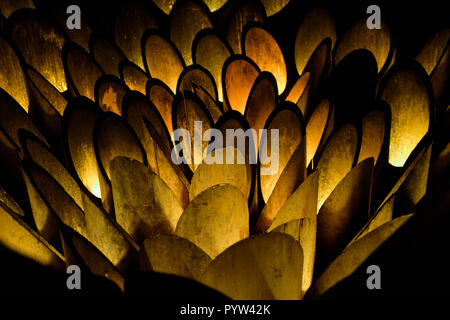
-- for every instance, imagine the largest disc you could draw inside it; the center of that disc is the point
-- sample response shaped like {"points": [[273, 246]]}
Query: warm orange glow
{"points": [[373, 128], [309, 35], [433, 50], [163, 61], [211, 53], [274, 6], [315, 129], [298, 88], [134, 78], [187, 19], [110, 96], [262, 48], [162, 98], [239, 78], [407, 96]]}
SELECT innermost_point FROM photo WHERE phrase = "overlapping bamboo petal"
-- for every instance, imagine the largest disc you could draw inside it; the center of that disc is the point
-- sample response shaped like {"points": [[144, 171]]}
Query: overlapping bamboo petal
{"points": [[247, 11], [167, 253], [309, 36], [211, 53], [215, 219], [109, 93], [109, 238], [345, 211], [239, 76], [298, 89], [143, 203], [17, 236], [161, 96], [406, 93], [267, 266], [373, 130], [261, 47], [10, 203], [40, 44], [107, 55], [131, 23], [9, 6], [163, 60], [11, 75], [187, 19], [318, 63], [210, 174], [377, 41], [336, 160], [352, 257], [315, 129], [291, 134], [196, 76], [291, 177], [431, 54], [134, 77]]}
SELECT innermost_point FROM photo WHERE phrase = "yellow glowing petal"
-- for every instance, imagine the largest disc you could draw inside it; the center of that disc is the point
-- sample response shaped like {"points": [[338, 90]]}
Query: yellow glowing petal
{"points": [[47, 95], [352, 257], [298, 88], [315, 128], [165, 5], [110, 93], [19, 237], [211, 53], [345, 211], [42, 156], [107, 55], [246, 12], [407, 96], [412, 185], [309, 36], [143, 203], [291, 177], [336, 161], [163, 60], [9, 6], [13, 118], [267, 266], [187, 111], [195, 77], [82, 70], [290, 132], [209, 102], [261, 103], [240, 76], [97, 263], [318, 63], [162, 98], [215, 219], [167, 253], [10, 203], [262, 48], [11, 76], [274, 6], [304, 231], [382, 216], [108, 237], [80, 133], [40, 44], [373, 128], [377, 41], [208, 175], [433, 50], [214, 5], [134, 77], [187, 19], [57, 199], [131, 23]]}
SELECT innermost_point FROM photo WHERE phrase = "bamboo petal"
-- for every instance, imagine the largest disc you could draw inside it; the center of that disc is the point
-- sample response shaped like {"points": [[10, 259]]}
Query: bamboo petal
{"points": [[355, 255], [211, 53], [131, 23], [107, 55], [207, 175], [373, 129], [134, 77], [161, 96], [268, 266], [345, 211], [315, 129], [163, 60], [144, 204], [377, 41], [272, 7], [262, 48], [298, 88], [215, 219], [19, 237], [167, 253], [406, 93], [430, 55], [187, 19], [10, 203], [40, 44], [109, 93], [309, 36], [336, 161], [12, 79], [7, 7]]}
